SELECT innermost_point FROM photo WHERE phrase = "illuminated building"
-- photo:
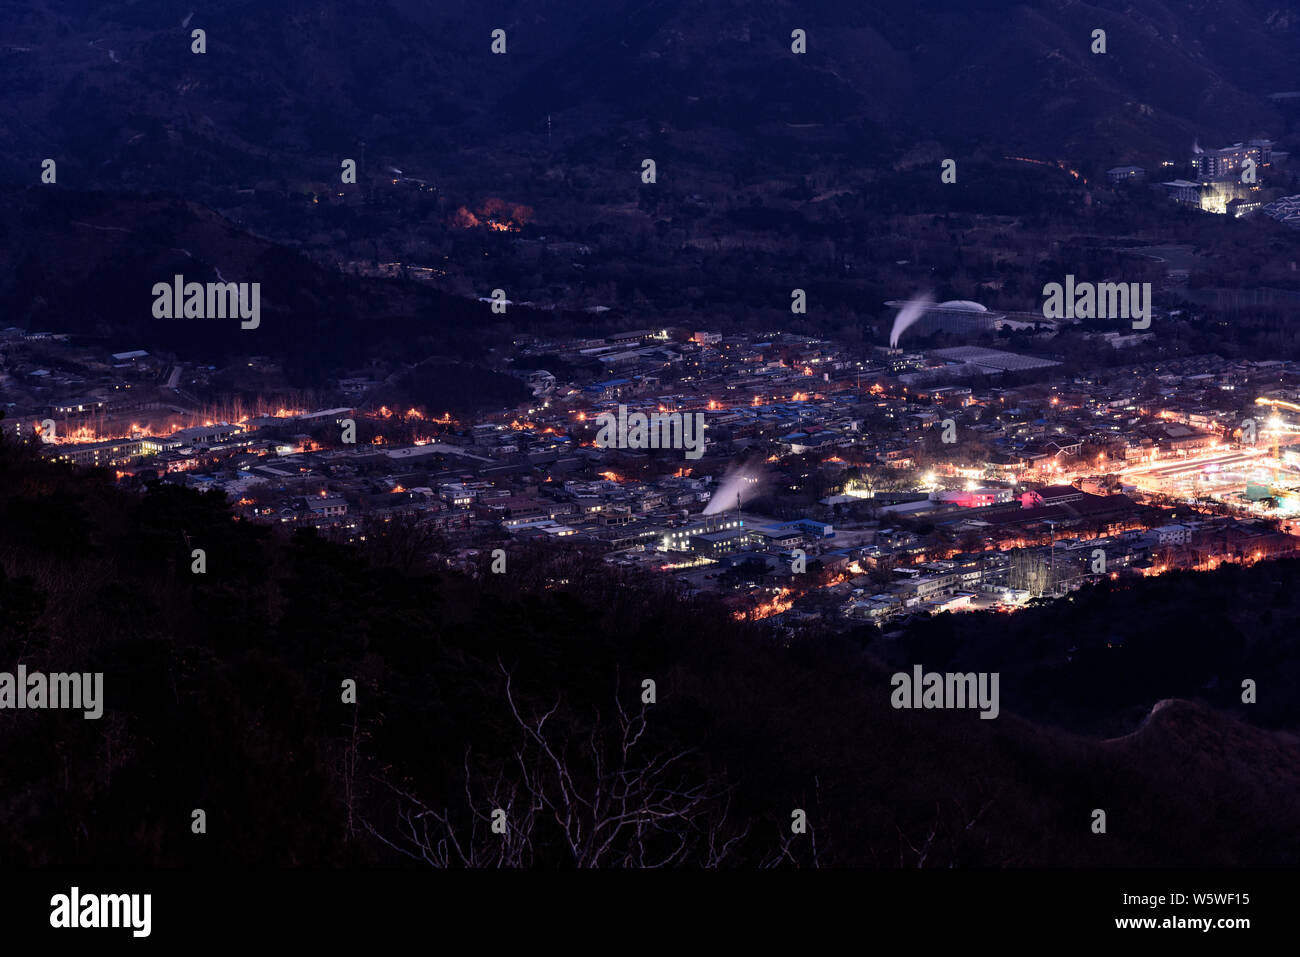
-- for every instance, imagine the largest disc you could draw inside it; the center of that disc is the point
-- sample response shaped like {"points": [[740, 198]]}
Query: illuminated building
{"points": [[111, 452], [1230, 161], [715, 544], [1217, 196], [1124, 174], [679, 539]]}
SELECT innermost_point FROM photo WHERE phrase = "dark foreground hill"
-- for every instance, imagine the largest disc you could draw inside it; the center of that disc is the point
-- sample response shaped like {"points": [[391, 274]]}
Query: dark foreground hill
{"points": [[523, 692]]}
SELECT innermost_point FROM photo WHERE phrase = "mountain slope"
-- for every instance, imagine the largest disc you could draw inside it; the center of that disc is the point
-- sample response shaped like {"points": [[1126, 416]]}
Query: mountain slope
{"points": [[282, 93]]}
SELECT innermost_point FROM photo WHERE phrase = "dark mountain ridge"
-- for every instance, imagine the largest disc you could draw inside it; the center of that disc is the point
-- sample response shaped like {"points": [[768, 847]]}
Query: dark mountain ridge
{"points": [[115, 93]]}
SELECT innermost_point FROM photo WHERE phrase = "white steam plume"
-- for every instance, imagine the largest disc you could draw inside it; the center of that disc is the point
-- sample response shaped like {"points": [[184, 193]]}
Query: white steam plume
{"points": [[739, 480], [912, 310]]}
